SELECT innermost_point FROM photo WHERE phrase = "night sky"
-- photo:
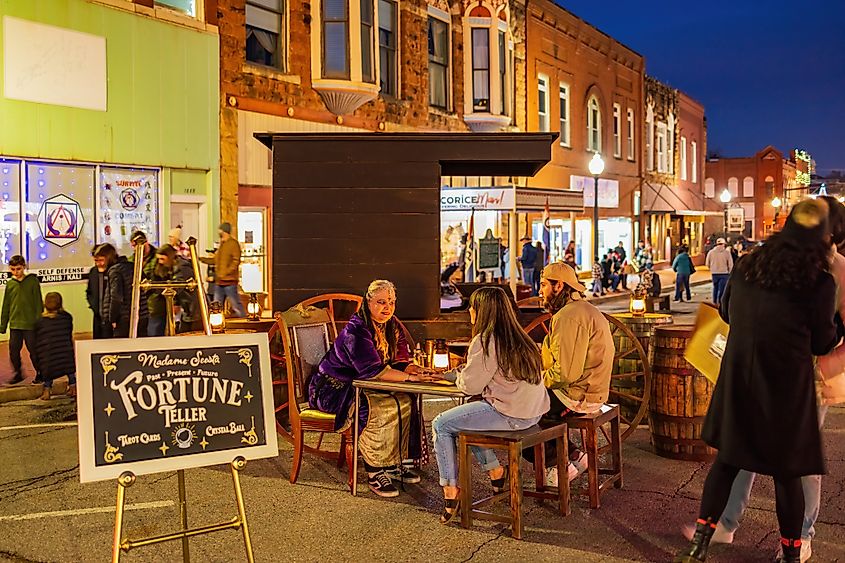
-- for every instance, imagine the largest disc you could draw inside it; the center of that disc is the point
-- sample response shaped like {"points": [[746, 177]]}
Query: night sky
{"points": [[768, 73]]}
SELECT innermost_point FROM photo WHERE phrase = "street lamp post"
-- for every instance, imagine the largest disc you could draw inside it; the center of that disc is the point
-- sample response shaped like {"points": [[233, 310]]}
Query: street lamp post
{"points": [[596, 167], [776, 203], [725, 197]]}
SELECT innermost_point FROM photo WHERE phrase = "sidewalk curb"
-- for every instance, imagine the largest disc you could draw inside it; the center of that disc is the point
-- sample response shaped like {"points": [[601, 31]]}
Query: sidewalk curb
{"points": [[29, 392]]}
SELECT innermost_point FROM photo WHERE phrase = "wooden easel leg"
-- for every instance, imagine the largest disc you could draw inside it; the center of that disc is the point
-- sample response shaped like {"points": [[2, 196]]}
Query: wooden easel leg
{"points": [[125, 481], [183, 514], [237, 466]]}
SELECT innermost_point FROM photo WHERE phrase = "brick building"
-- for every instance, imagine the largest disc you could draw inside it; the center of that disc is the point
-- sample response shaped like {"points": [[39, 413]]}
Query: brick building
{"points": [[674, 209], [340, 65], [588, 87], [764, 186]]}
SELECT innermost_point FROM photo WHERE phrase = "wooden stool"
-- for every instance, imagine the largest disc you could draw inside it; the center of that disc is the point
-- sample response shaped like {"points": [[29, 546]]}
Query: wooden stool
{"points": [[513, 442], [589, 425]]}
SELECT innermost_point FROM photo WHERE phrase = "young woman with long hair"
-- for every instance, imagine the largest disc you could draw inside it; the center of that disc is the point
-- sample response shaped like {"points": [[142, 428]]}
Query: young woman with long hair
{"points": [[503, 366], [763, 417]]}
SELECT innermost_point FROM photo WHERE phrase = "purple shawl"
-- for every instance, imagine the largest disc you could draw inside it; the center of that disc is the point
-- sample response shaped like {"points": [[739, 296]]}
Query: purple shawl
{"points": [[353, 355]]}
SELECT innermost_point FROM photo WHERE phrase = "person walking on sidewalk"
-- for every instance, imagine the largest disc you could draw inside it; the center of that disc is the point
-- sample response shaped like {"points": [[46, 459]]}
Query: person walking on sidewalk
{"points": [[54, 345], [720, 262], [684, 268], [780, 304], [227, 260], [22, 307], [528, 260]]}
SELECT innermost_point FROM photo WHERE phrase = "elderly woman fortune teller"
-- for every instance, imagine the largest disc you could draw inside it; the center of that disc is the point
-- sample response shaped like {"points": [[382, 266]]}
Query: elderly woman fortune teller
{"points": [[373, 346]]}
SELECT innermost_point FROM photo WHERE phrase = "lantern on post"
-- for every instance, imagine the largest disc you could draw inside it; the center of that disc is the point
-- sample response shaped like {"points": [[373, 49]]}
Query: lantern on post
{"points": [[253, 308], [216, 318]]}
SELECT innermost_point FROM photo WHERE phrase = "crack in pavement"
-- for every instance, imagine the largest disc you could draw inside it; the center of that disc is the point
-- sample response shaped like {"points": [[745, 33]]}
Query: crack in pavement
{"points": [[22, 486], [688, 481], [498, 536], [764, 539]]}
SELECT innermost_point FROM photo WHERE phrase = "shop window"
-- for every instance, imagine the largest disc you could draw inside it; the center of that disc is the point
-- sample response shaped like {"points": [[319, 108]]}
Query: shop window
{"points": [[593, 125], [264, 37], [253, 250], [10, 206], [438, 63], [335, 39], [617, 130], [480, 69], [542, 103], [563, 102], [387, 28], [127, 202], [188, 7]]}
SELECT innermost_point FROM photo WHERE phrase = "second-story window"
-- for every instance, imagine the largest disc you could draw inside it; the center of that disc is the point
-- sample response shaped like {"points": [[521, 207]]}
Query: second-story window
{"points": [[367, 17], [387, 24], [335, 39], [188, 7], [593, 125], [694, 161], [564, 114], [631, 146], [661, 148], [264, 25], [480, 69], [542, 102], [503, 73], [617, 130], [683, 157], [438, 63]]}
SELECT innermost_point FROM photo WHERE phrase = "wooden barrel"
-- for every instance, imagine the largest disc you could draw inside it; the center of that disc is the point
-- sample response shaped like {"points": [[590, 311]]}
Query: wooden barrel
{"points": [[680, 396], [643, 329]]}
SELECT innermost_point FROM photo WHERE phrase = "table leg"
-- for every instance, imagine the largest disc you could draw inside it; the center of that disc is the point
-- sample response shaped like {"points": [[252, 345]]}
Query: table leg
{"points": [[355, 443]]}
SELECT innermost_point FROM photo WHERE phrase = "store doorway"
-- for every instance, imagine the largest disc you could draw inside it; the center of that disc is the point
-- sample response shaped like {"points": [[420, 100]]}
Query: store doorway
{"points": [[192, 217]]}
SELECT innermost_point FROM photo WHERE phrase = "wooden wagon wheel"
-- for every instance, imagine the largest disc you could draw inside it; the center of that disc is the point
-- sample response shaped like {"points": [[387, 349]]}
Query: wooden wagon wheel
{"points": [[540, 326]]}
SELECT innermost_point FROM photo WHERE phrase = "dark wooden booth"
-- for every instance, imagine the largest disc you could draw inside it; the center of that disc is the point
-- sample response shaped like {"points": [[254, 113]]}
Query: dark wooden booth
{"points": [[349, 208]]}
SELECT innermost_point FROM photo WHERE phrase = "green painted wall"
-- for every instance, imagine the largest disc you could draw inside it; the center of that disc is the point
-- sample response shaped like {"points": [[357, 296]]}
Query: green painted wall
{"points": [[163, 88]]}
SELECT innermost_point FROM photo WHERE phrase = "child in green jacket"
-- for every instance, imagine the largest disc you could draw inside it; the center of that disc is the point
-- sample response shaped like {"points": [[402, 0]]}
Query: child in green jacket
{"points": [[22, 307]]}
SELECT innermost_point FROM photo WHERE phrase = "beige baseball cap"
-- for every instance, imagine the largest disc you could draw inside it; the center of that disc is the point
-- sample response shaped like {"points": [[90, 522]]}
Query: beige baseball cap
{"points": [[562, 272]]}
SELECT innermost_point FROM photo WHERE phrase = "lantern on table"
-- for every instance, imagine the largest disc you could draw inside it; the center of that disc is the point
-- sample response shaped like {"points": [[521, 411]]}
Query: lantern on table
{"points": [[216, 318], [638, 305], [253, 308], [441, 354]]}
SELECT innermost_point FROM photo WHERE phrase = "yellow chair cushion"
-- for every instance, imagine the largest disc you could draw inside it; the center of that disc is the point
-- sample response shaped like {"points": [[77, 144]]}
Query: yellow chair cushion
{"points": [[316, 416]]}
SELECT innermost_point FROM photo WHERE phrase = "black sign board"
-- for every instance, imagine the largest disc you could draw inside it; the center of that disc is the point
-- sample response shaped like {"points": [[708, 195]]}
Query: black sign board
{"points": [[488, 252], [158, 404]]}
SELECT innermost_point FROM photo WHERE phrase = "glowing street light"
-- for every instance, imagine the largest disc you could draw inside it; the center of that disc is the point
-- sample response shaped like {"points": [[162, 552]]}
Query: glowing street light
{"points": [[725, 196], [596, 167]]}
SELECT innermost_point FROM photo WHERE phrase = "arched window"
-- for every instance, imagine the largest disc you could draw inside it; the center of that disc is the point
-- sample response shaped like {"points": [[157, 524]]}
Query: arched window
{"points": [[593, 125], [733, 186], [770, 187], [748, 187], [709, 187]]}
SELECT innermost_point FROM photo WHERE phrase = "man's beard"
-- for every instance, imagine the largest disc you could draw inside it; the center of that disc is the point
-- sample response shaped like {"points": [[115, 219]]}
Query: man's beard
{"points": [[554, 303]]}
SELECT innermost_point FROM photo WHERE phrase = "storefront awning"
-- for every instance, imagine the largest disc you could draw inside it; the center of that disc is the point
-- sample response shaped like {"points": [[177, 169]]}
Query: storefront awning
{"points": [[510, 198], [660, 198]]}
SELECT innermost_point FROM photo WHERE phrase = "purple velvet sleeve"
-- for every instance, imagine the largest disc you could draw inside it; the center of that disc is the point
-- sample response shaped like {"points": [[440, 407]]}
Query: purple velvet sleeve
{"points": [[362, 354], [403, 349]]}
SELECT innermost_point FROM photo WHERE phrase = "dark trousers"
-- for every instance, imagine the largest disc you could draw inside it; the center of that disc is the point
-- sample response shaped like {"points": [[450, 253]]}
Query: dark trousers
{"points": [[682, 283], [719, 283], [122, 328], [17, 338], [789, 498], [537, 273], [557, 410], [101, 328]]}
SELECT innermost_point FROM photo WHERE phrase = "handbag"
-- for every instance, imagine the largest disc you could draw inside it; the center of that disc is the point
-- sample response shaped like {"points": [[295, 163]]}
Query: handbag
{"points": [[691, 266], [707, 345], [830, 376]]}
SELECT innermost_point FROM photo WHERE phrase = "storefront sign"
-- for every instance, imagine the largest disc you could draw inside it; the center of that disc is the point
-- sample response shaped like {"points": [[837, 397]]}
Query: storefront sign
{"points": [[464, 199], [608, 190], [163, 404], [128, 202], [736, 219]]}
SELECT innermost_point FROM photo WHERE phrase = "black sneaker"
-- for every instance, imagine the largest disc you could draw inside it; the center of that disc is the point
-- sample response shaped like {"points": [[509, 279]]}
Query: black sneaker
{"points": [[406, 475], [17, 379], [381, 485], [38, 380]]}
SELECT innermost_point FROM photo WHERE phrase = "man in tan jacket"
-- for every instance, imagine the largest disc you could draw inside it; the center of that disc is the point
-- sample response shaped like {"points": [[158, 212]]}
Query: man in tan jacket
{"points": [[577, 353], [226, 261]]}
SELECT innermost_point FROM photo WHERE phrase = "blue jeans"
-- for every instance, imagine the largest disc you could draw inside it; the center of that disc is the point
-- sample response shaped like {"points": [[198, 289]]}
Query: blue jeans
{"points": [[682, 283], [221, 292], [155, 326], [479, 415], [719, 283], [528, 277], [741, 493]]}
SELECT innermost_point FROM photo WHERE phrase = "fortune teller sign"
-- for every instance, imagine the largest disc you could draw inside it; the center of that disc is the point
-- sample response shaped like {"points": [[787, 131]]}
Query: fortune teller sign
{"points": [[160, 404]]}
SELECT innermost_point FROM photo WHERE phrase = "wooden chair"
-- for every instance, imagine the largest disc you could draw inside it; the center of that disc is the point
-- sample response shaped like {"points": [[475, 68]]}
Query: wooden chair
{"points": [[513, 442], [306, 337], [590, 424]]}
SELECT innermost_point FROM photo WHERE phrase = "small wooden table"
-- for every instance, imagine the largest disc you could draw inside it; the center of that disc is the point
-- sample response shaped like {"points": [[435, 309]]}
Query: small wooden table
{"points": [[416, 389]]}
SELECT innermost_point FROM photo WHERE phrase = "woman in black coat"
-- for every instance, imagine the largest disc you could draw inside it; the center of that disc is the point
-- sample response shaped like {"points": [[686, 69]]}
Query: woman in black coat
{"points": [[780, 304], [54, 345]]}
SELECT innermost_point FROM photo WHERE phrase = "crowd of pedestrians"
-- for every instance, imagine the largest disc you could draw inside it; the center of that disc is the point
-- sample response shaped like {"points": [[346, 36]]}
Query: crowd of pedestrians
{"points": [[46, 329]]}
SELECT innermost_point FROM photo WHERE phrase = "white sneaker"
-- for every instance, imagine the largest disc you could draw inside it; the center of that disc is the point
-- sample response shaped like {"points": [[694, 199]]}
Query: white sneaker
{"points": [[579, 466], [551, 477], [720, 534], [806, 551]]}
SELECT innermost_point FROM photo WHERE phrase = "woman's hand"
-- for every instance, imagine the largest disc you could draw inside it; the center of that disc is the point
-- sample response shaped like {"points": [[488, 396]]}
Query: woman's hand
{"points": [[423, 377], [414, 369]]}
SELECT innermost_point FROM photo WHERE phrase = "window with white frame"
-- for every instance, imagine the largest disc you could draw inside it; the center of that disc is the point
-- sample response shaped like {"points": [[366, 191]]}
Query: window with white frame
{"points": [[617, 130], [564, 114], [542, 102], [733, 186], [593, 125], [335, 34], [480, 69], [649, 140], [661, 147], [504, 91], [683, 157], [387, 35], [631, 144], [368, 71], [709, 185], [694, 162], [438, 63], [748, 187], [265, 33]]}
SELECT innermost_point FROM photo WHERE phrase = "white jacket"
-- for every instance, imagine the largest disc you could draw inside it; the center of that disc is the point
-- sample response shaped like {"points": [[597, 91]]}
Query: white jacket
{"points": [[719, 260]]}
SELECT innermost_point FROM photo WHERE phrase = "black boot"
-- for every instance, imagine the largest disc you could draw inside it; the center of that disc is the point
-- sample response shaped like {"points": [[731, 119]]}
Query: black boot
{"points": [[790, 553], [697, 549]]}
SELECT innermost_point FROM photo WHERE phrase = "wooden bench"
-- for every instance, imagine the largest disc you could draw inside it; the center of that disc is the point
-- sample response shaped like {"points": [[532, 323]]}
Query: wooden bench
{"points": [[589, 424], [513, 442]]}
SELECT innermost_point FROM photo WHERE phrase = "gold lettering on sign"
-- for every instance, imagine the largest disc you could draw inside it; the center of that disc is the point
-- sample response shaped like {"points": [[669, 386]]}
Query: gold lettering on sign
{"points": [[250, 437], [109, 364], [111, 454], [245, 355]]}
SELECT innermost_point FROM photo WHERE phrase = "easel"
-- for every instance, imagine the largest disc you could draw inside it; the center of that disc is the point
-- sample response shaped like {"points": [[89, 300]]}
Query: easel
{"points": [[127, 479]]}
